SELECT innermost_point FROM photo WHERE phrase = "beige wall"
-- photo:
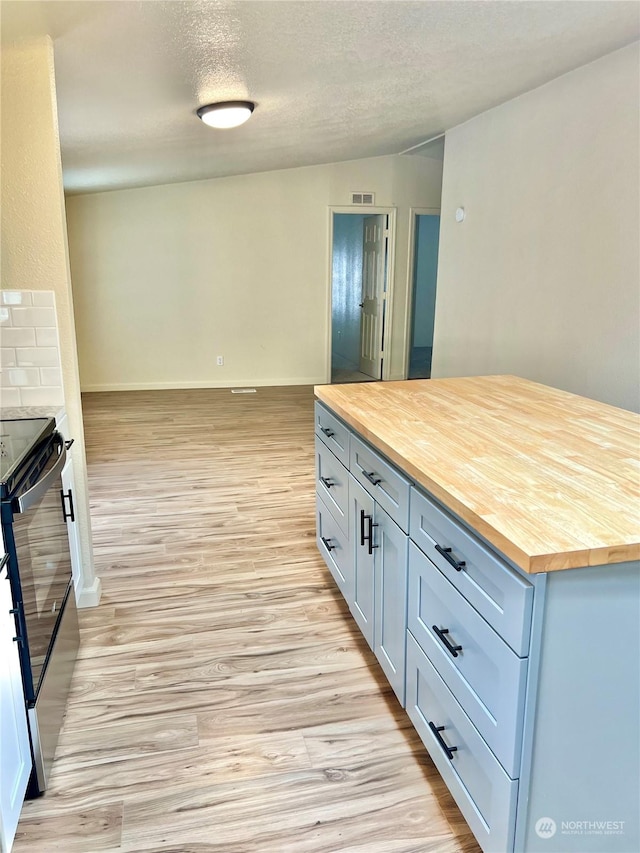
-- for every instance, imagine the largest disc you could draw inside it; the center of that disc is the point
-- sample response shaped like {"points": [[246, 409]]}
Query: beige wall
{"points": [[542, 278], [34, 235], [166, 278]]}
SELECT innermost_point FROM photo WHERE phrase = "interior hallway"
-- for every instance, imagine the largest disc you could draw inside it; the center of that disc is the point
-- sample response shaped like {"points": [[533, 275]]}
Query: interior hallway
{"points": [[224, 700]]}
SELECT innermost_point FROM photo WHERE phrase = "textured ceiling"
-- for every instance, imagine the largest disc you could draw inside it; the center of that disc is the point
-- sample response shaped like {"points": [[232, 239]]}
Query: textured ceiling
{"points": [[332, 80]]}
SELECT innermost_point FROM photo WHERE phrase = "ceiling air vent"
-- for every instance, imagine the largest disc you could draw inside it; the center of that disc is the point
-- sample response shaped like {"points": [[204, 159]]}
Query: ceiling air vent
{"points": [[362, 198]]}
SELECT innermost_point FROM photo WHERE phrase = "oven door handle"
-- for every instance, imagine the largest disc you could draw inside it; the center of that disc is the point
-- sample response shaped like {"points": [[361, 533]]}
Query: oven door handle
{"points": [[33, 495]]}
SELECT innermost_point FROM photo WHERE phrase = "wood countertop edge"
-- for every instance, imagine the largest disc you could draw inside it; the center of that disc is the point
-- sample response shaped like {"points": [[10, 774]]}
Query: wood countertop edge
{"points": [[528, 563]]}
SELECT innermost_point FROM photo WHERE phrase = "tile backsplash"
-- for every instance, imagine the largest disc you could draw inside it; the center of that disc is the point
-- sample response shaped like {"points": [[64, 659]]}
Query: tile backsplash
{"points": [[30, 368]]}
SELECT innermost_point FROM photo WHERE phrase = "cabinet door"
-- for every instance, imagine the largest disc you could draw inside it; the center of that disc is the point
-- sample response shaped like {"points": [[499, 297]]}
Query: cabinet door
{"points": [[361, 515], [391, 557], [15, 753], [68, 488]]}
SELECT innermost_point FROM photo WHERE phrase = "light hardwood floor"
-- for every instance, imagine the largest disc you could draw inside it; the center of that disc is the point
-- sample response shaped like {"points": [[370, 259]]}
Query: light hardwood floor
{"points": [[223, 700]]}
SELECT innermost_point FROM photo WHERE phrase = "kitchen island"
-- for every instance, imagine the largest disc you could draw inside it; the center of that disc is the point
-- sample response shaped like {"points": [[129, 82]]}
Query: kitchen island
{"points": [[485, 534]]}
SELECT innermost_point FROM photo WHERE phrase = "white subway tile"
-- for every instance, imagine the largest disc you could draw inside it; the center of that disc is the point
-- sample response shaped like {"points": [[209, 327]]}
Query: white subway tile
{"points": [[9, 397], [33, 316], [5, 316], [45, 338], [7, 357], [50, 376], [16, 297], [42, 396], [11, 337], [43, 297], [37, 356], [18, 377]]}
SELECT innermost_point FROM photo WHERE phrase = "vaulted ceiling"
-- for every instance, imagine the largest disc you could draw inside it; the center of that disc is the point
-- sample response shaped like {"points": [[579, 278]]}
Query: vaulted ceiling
{"points": [[332, 79]]}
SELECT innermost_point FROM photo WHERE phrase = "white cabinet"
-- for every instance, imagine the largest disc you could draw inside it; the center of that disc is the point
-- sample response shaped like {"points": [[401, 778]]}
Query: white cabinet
{"points": [[15, 753]]}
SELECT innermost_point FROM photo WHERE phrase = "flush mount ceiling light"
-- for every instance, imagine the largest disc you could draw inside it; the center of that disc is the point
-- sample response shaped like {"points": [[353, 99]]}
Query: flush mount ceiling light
{"points": [[226, 113]]}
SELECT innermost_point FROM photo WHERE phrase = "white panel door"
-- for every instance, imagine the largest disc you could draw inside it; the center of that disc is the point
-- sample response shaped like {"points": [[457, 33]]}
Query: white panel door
{"points": [[15, 753], [374, 258]]}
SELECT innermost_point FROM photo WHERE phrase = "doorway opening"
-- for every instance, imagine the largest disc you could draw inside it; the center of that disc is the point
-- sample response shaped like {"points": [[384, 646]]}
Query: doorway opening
{"points": [[360, 286], [425, 231]]}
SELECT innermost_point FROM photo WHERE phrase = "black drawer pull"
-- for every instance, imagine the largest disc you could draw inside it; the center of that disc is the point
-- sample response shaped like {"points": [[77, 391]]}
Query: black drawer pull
{"points": [[328, 432], [372, 477], [448, 750], [327, 544], [363, 538], [441, 632], [446, 553], [328, 482]]}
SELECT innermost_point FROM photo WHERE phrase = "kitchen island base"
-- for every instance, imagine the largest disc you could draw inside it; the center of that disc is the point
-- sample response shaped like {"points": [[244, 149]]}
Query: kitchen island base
{"points": [[524, 687]]}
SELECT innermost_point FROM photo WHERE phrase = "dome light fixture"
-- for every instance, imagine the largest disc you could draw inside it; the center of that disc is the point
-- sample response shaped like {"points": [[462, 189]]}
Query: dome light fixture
{"points": [[226, 113]]}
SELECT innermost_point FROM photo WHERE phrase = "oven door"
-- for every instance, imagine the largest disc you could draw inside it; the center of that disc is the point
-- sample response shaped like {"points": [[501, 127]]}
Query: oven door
{"points": [[41, 567]]}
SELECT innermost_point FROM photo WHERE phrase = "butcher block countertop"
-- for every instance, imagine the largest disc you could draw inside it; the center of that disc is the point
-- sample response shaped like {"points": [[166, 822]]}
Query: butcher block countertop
{"points": [[549, 478]]}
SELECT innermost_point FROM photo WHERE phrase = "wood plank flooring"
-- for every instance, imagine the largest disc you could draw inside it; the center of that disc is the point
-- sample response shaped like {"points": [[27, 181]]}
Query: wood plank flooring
{"points": [[224, 701]]}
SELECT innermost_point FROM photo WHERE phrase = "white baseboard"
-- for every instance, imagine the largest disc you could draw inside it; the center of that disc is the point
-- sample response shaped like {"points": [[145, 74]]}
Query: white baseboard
{"points": [[89, 596], [186, 385]]}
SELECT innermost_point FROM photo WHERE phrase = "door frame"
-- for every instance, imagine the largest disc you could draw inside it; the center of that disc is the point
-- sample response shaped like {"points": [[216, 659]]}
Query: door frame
{"points": [[414, 212], [366, 210]]}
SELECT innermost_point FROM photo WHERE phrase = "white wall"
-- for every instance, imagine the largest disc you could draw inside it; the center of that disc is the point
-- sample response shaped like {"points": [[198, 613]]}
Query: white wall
{"points": [[166, 278], [34, 236], [542, 279]]}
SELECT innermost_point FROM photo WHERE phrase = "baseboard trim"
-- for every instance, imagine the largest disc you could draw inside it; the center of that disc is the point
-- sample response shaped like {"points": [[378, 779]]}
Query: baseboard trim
{"points": [[89, 596], [187, 385]]}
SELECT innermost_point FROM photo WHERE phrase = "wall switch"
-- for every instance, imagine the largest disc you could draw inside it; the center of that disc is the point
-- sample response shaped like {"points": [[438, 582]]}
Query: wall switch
{"points": [[220, 360]]}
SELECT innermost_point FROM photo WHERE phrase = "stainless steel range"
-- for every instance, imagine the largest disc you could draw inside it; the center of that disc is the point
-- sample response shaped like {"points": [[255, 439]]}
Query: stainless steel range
{"points": [[35, 509]]}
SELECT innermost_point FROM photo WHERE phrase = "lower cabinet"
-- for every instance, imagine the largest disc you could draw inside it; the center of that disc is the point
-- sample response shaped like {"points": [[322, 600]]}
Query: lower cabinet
{"points": [[390, 610], [378, 599], [523, 688], [333, 544], [485, 795], [369, 565], [15, 766], [362, 599]]}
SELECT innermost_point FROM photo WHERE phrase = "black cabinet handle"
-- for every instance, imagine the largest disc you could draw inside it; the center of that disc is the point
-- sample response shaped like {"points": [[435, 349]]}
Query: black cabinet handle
{"points": [[372, 477], [68, 443], [67, 496], [446, 553], [328, 482], [448, 750], [370, 535], [327, 544], [441, 632], [367, 537], [328, 432]]}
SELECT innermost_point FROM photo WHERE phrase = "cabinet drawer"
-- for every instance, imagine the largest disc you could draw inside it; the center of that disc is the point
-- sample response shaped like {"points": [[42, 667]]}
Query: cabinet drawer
{"points": [[333, 544], [484, 793], [383, 482], [333, 432], [332, 484], [487, 678], [493, 588]]}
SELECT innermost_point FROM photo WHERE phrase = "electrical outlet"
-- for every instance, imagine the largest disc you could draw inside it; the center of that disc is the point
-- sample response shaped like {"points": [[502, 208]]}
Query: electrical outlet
{"points": [[220, 360]]}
